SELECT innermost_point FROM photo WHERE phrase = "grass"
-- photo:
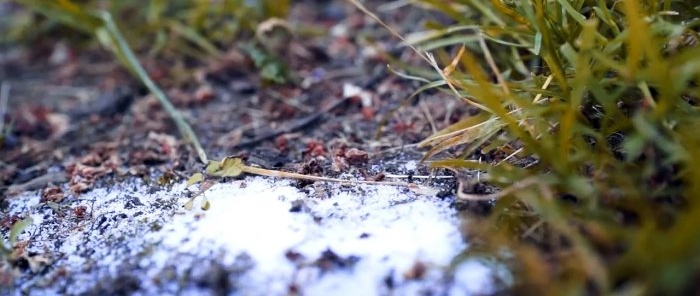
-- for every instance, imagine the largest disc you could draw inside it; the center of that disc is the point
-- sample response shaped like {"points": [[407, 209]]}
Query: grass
{"points": [[588, 123], [195, 29]]}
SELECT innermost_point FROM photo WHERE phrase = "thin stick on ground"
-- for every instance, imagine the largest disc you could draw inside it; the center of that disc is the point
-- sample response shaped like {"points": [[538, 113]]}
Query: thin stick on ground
{"points": [[233, 167]]}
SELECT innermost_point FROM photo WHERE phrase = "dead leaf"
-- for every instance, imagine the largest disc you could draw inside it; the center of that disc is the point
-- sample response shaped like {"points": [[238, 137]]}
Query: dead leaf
{"points": [[356, 156]]}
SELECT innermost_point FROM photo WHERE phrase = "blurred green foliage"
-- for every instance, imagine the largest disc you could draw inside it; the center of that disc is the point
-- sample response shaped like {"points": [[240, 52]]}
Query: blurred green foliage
{"points": [[179, 31], [588, 121], [6, 250], [170, 29]]}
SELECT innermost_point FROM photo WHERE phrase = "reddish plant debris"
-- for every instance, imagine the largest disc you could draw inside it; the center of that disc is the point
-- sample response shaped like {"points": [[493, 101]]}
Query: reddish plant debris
{"points": [[7, 172], [20, 249], [101, 161], [6, 278], [204, 94], [8, 221], [80, 211], [39, 122], [230, 65], [312, 167], [356, 157], [293, 289], [180, 98], [416, 272], [230, 139], [341, 47], [158, 148], [368, 113], [183, 98], [67, 72], [283, 112], [156, 71], [61, 272], [376, 178], [294, 256], [281, 143], [315, 148], [148, 114], [339, 164], [402, 127], [53, 194], [329, 260]]}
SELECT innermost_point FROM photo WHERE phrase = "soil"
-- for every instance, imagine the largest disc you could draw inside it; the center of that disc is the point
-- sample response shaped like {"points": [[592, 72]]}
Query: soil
{"points": [[80, 122], [84, 110]]}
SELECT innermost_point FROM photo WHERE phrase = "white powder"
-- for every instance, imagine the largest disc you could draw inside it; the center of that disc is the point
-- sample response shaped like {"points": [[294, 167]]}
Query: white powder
{"points": [[248, 230]]}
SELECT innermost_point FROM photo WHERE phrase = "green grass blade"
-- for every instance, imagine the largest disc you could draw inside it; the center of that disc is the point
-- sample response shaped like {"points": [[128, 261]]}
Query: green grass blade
{"points": [[123, 51]]}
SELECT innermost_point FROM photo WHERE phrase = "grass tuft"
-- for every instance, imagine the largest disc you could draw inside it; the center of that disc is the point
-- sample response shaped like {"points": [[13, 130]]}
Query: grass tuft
{"points": [[587, 123]]}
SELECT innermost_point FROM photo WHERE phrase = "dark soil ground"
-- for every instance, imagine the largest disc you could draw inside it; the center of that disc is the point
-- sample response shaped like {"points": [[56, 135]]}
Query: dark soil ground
{"points": [[80, 113]]}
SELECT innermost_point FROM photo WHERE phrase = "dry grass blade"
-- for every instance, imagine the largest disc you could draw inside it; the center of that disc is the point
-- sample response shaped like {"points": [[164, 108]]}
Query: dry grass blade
{"points": [[232, 167]]}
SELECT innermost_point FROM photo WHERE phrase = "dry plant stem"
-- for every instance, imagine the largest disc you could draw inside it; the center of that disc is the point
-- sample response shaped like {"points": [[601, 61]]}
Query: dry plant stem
{"points": [[391, 30], [394, 149], [133, 64], [273, 173], [204, 187], [510, 156], [492, 64], [428, 116], [424, 55], [506, 191], [532, 229], [391, 176], [445, 75], [544, 86]]}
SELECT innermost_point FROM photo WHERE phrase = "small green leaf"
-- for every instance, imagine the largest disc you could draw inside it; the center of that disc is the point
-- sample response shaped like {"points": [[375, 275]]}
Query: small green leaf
{"points": [[196, 178], [17, 229], [213, 167], [188, 205], [229, 167], [273, 71], [205, 204]]}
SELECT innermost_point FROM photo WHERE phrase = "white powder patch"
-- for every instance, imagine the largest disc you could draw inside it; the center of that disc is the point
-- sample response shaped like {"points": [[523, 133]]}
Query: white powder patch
{"points": [[475, 277], [356, 242], [410, 165]]}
